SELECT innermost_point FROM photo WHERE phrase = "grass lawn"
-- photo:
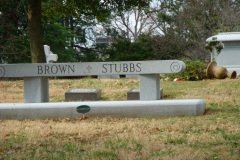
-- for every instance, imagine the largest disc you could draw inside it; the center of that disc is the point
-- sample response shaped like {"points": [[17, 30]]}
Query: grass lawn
{"points": [[213, 136]]}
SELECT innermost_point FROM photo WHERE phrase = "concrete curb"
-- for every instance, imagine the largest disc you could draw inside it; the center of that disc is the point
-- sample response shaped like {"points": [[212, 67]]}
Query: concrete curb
{"points": [[152, 108]]}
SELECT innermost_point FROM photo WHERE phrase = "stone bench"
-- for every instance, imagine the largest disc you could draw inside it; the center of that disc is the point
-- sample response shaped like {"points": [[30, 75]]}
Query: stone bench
{"points": [[36, 75], [36, 91]]}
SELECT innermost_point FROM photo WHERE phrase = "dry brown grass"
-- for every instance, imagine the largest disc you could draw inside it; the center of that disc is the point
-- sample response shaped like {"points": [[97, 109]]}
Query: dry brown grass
{"points": [[215, 135]]}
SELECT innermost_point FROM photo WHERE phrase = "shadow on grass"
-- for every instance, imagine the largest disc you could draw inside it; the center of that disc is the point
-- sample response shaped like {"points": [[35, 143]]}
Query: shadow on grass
{"points": [[214, 108]]}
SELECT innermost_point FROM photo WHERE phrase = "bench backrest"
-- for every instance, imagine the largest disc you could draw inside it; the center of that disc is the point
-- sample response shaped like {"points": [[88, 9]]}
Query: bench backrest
{"points": [[91, 68]]}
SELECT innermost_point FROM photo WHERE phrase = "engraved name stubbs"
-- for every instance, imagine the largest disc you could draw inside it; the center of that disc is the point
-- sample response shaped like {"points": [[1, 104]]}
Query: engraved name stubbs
{"points": [[121, 68]]}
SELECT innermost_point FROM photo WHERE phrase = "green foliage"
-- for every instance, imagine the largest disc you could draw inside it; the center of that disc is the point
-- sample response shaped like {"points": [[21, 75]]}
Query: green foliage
{"points": [[14, 44], [218, 45], [124, 50], [195, 70], [184, 24], [88, 55], [57, 36], [63, 22], [68, 38], [195, 20], [144, 48]]}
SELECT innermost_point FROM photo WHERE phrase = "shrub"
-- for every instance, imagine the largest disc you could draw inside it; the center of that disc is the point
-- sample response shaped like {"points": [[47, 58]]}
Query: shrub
{"points": [[195, 70]]}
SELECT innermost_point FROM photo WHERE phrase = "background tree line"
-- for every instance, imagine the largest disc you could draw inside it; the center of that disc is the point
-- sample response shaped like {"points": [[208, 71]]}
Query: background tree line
{"points": [[137, 30]]}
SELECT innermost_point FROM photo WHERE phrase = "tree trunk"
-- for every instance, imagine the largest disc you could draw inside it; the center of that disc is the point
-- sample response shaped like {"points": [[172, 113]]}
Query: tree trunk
{"points": [[35, 31]]}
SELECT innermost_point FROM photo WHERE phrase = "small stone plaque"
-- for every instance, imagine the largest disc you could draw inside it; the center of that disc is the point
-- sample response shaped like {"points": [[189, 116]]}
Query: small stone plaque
{"points": [[108, 76], [134, 94], [83, 109], [82, 95]]}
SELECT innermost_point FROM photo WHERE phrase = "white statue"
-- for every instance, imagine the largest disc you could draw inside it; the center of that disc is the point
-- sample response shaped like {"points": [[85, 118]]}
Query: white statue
{"points": [[50, 57]]}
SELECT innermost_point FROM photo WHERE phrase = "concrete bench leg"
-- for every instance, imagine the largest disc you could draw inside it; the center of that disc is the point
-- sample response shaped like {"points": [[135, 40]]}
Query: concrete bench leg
{"points": [[150, 87], [36, 89]]}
